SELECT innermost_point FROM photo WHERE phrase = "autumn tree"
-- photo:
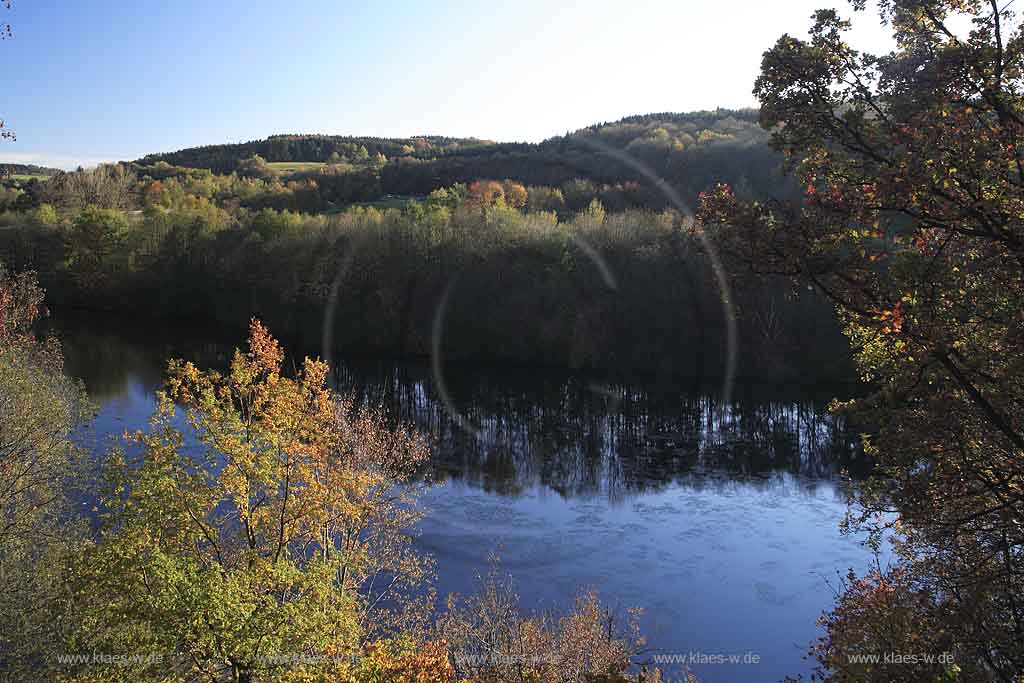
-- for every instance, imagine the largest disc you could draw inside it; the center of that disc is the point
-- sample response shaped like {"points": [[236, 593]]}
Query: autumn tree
{"points": [[154, 194], [255, 167], [912, 222], [40, 410], [515, 194], [492, 640], [271, 547], [483, 193]]}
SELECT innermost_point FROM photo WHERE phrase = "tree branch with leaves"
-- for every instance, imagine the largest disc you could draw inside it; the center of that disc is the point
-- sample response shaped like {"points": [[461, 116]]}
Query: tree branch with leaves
{"points": [[912, 223]]}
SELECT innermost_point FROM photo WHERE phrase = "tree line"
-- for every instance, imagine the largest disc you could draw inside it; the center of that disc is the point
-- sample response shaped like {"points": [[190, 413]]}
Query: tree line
{"points": [[532, 277]]}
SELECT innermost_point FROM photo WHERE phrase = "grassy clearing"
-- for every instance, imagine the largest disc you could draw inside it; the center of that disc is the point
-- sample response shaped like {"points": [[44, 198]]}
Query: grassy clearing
{"points": [[295, 166], [25, 177], [390, 202]]}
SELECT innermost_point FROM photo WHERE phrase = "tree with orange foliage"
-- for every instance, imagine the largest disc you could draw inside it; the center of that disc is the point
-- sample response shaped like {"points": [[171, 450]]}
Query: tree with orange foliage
{"points": [[484, 193], [515, 194], [398, 661], [153, 195], [266, 550], [492, 640]]}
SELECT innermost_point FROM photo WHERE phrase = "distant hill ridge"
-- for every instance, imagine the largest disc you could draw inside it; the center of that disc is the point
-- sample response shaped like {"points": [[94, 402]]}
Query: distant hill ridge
{"points": [[691, 150], [310, 148], [318, 147]]}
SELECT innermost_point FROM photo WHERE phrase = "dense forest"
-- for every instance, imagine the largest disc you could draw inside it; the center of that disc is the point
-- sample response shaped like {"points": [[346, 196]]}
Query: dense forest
{"points": [[691, 151], [554, 254]]}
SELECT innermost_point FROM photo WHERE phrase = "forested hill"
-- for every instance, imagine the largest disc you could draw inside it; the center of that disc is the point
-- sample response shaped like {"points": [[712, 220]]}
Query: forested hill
{"points": [[27, 170], [313, 148], [271, 236], [691, 151]]}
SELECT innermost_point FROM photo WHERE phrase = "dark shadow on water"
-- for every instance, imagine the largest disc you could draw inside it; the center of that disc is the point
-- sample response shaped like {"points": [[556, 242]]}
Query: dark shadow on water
{"points": [[577, 434]]}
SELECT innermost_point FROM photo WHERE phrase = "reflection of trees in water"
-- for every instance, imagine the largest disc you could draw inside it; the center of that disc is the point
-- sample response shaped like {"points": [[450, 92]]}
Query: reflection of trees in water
{"points": [[104, 363], [108, 352], [543, 429], [537, 428]]}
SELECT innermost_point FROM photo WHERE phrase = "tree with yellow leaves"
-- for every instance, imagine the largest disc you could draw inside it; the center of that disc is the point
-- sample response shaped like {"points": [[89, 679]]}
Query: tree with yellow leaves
{"points": [[263, 542]]}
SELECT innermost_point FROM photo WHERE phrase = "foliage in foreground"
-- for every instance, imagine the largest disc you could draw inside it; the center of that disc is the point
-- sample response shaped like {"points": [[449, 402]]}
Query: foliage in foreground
{"points": [[257, 542], [39, 411], [912, 224], [493, 642], [257, 531]]}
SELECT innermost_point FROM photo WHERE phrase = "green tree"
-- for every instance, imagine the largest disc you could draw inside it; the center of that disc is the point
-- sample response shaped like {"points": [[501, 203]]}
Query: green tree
{"points": [[912, 222], [540, 198], [95, 249]]}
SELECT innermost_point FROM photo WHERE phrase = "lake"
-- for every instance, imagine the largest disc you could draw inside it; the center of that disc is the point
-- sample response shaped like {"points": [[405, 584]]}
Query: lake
{"points": [[720, 519]]}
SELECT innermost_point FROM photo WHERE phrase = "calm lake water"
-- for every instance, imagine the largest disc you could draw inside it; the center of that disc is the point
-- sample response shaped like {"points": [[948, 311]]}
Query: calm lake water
{"points": [[721, 521]]}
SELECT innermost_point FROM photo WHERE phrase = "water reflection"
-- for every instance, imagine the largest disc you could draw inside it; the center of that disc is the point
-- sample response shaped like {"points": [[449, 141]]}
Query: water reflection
{"points": [[720, 520], [554, 430], [563, 431]]}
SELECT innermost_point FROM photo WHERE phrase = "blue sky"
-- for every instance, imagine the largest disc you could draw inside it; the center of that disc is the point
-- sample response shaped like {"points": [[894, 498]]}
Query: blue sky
{"points": [[95, 81]]}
